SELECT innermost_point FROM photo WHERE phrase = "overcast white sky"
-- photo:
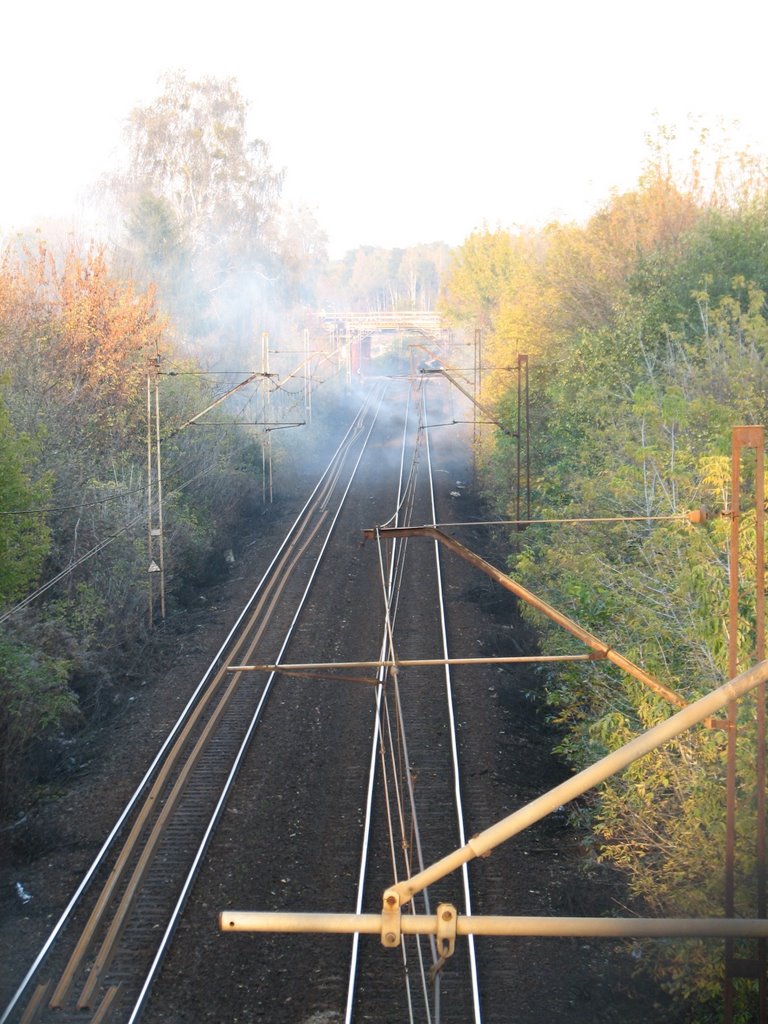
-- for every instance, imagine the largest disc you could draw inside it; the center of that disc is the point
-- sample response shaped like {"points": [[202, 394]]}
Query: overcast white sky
{"points": [[398, 122]]}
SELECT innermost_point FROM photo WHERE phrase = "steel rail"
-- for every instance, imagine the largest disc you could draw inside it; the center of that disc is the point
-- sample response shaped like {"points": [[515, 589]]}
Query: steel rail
{"points": [[271, 592], [390, 586], [150, 772], [114, 933], [165, 941], [474, 978], [382, 666], [412, 484], [405, 507], [367, 823], [229, 648], [391, 709], [368, 815], [333, 478]]}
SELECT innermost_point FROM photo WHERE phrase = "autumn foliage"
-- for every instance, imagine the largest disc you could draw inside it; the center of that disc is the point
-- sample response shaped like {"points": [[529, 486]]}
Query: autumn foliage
{"points": [[648, 334], [97, 331], [76, 344]]}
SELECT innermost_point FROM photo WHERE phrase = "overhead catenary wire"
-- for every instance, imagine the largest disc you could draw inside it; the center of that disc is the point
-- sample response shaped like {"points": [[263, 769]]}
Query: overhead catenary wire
{"points": [[397, 742], [95, 550], [202, 373], [164, 373]]}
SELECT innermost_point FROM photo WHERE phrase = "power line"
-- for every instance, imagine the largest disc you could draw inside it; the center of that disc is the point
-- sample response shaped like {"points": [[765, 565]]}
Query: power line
{"points": [[91, 504], [69, 508], [111, 497], [201, 373], [108, 540], [70, 568], [93, 551]]}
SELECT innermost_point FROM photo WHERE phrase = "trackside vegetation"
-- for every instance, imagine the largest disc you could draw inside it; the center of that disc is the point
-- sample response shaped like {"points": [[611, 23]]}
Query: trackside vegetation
{"points": [[647, 329], [75, 345]]}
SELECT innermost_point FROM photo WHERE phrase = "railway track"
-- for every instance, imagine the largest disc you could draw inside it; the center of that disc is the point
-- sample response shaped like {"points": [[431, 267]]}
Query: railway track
{"points": [[419, 792], [314, 792], [399, 737], [332, 856]]}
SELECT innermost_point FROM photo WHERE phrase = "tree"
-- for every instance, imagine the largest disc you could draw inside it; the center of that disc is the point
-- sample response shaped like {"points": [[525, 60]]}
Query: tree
{"points": [[198, 197], [653, 335], [75, 341], [190, 149], [300, 245], [480, 278], [421, 270], [24, 535]]}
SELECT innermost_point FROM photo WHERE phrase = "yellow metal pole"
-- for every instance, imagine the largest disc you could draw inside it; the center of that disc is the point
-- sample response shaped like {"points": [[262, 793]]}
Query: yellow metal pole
{"points": [[535, 602], [160, 538], [482, 844], [289, 667], [427, 924]]}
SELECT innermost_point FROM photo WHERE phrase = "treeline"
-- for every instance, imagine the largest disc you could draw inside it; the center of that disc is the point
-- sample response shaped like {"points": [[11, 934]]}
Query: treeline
{"points": [[203, 259], [76, 345], [204, 224], [648, 334], [370, 279]]}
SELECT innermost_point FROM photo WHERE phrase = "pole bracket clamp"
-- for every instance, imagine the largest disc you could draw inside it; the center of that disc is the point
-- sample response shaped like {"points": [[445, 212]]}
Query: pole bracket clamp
{"points": [[447, 919], [390, 919]]}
